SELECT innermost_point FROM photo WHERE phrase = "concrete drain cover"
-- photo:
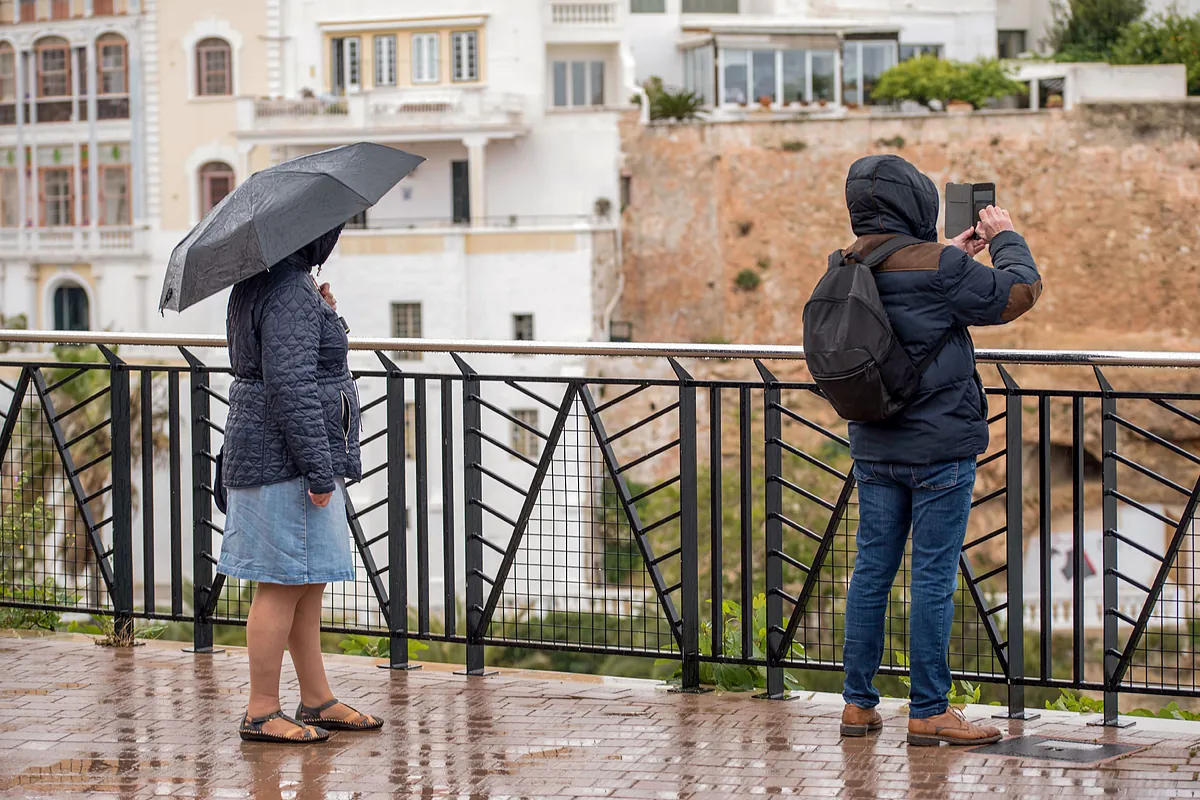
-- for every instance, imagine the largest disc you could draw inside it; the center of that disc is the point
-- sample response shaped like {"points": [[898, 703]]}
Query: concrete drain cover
{"points": [[1056, 749]]}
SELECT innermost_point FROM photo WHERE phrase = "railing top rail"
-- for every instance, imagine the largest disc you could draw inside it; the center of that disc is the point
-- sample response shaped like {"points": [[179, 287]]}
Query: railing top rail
{"points": [[1121, 358]]}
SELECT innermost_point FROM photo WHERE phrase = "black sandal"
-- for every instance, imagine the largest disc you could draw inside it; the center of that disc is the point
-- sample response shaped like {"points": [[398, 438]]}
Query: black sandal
{"points": [[251, 730], [312, 716]]}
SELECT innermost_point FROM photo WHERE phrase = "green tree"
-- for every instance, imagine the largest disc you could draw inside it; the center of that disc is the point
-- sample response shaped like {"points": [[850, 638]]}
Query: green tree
{"points": [[1169, 38], [1087, 30], [930, 78]]}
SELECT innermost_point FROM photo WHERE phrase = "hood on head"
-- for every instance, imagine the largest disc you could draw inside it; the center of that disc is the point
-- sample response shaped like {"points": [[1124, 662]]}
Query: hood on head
{"points": [[317, 252], [886, 194]]}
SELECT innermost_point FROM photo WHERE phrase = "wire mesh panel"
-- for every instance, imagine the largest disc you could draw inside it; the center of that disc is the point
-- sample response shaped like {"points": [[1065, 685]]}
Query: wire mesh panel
{"points": [[578, 577]]}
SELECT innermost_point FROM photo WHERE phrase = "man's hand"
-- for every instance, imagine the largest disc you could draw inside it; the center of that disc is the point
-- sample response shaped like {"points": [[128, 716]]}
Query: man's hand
{"points": [[969, 245], [327, 295], [992, 221], [320, 500]]}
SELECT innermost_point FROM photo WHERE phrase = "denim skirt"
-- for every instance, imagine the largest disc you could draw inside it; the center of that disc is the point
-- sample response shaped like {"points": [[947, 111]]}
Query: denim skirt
{"points": [[274, 534]]}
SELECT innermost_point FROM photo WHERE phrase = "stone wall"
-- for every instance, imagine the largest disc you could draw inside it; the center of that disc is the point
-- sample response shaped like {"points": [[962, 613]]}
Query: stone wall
{"points": [[1108, 197]]}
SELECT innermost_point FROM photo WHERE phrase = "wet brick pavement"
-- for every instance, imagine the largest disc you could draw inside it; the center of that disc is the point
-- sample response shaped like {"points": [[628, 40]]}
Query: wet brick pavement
{"points": [[80, 720]]}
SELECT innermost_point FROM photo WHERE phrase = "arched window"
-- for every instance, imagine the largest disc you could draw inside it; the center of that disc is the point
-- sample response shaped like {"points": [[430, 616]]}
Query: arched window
{"points": [[53, 67], [214, 68], [216, 181], [71, 308]]}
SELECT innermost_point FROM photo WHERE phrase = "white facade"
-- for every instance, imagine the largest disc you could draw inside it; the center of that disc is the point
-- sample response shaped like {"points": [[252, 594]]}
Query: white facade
{"points": [[1030, 20]]}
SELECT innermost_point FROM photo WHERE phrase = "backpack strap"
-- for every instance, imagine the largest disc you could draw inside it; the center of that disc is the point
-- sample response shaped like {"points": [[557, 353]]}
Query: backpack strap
{"points": [[884, 251], [932, 354]]}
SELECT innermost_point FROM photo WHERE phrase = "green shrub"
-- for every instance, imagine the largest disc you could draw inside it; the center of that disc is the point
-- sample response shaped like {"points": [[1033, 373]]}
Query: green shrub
{"points": [[1075, 702], [671, 104], [793, 146], [622, 561], [1087, 30], [930, 78], [377, 646], [747, 280], [1169, 38]]}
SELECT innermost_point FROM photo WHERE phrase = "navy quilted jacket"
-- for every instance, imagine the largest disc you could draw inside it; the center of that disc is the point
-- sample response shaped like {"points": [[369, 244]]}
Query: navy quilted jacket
{"points": [[927, 290], [293, 407]]}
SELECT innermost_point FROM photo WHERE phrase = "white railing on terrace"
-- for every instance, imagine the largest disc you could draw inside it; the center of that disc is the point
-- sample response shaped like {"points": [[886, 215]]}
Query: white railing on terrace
{"points": [[82, 241], [403, 108], [581, 12]]}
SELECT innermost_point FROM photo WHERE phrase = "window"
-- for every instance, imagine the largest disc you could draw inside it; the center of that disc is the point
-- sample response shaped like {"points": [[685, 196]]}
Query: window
{"points": [[214, 68], [863, 63], [406, 324], [908, 51], [466, 56], [710, 6], [57, 197], [523, 327], [358, 222], [626, 191], [648, 6], [6, 11], [8, 74], [60, 9], [824, 76], [114, 70], [525, 441], [385, 60], [578, 84], [698, 73], [103, 8], [70, 308], [216, 181], [425, 58], [1010, 44], [29, 10], [114, 195], [53, 68], [10, 204], [780, 76]]}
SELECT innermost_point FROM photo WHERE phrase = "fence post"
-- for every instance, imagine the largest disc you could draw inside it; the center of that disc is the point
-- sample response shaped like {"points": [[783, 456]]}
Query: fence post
{"points": [[202, 497], [689, 557], [773, 431], [122, 495], [397, 499], [1015, 538], [473, 515], [1112, 648]]}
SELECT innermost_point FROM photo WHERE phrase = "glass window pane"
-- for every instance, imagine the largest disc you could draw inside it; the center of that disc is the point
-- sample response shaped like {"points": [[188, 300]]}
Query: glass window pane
{"points": [[578, 83], [850, 55], [877, 58], [560, 84], [736, 66], [597, 83], [823, 76], [764, 75], [794, 78], [9, 200], [385, 60]]}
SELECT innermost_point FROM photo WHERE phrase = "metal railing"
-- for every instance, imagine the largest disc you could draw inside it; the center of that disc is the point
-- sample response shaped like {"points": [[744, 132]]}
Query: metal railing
{"points": [[647, 512]]}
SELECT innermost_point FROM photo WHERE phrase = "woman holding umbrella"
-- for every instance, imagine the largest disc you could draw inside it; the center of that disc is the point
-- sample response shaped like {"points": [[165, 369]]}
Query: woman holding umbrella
{"points": [[291, 439]]}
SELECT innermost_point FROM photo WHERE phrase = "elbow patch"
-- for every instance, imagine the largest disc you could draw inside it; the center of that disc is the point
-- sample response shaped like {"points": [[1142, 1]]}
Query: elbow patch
{"points": [[1021, 298]]}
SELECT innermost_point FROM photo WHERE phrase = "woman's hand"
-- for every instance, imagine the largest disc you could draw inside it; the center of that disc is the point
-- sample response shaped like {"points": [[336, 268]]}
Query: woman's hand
{"points": [[327, 295], [320, 500]]}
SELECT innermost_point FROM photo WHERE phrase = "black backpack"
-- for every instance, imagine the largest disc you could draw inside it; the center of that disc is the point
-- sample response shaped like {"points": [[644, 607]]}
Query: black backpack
{"points": [[852, 353]]}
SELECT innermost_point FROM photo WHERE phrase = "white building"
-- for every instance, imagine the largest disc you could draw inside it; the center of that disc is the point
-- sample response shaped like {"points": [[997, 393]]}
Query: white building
{"points": [[736, 53], [1022, 25]]}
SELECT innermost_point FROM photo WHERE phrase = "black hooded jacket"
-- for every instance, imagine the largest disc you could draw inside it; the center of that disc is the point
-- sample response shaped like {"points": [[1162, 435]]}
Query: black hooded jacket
{"points": [[927, 290]]}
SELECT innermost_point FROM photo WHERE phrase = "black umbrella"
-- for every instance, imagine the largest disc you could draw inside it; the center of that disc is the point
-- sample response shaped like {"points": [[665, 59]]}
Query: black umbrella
{"points": [[276, 212]]}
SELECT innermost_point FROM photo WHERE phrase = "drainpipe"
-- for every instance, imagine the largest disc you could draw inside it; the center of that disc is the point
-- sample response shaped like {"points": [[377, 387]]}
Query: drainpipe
{"points": [[616, 296]]}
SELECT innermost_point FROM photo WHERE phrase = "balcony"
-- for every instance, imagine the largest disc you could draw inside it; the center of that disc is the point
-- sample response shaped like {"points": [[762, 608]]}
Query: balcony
{"points": [[77, 242], [584, 21], [401, 115]]}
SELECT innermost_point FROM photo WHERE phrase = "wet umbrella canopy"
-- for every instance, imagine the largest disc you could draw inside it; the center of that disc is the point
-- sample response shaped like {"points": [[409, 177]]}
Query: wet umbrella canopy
{"points": [[276, 212]]}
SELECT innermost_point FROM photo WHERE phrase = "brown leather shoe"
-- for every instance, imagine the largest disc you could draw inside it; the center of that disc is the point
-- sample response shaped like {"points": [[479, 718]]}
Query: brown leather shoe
{"points": [[952, 728], [860, 721]]}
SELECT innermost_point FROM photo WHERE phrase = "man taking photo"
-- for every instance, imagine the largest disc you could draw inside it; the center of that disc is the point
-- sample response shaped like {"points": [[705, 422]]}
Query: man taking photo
{"points": [[916, 469]]}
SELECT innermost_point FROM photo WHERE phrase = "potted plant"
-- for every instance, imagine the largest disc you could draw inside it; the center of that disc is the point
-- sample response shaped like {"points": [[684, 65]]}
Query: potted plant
{"points": [[959, 107], [603, 207], [1054, 101]]}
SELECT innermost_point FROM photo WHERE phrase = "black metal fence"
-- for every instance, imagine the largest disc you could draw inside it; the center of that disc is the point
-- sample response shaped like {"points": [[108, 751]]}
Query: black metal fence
{"points": [[646, 513]]}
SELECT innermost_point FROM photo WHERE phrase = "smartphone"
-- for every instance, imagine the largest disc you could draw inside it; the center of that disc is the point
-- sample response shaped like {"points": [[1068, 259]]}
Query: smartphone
{"points": [[964, 201]]}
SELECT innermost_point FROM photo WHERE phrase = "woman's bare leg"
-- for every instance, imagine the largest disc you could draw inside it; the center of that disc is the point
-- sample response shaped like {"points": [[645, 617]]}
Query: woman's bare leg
{"points": [[304, 644], [271, 617]]}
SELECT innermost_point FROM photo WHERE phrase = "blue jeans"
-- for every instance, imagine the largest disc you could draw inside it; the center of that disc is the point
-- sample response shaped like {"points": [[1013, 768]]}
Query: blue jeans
{"points": [[935, 501]]}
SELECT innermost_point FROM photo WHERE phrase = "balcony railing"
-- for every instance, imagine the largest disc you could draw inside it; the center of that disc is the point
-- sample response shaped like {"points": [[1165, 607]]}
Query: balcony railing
{"points": [[584, 12], [623, 514], [415, 109], [73, 240], [56, 10]]}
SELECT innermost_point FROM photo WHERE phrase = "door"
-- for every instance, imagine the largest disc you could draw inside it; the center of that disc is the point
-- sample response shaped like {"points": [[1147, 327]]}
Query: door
{"points": [[460, 189], [346, 65]]}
